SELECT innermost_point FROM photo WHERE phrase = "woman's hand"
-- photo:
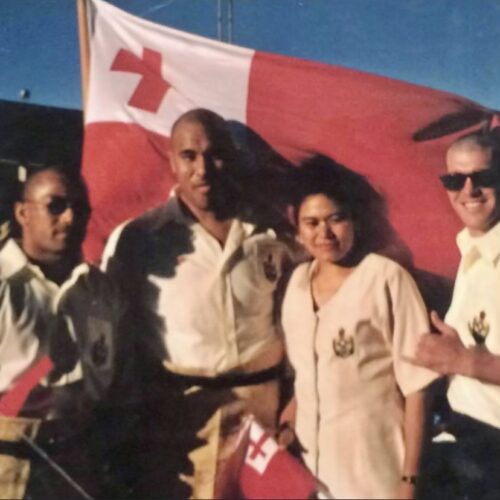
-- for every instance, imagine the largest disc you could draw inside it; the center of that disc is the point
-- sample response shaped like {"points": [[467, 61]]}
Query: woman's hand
{"points": [[285, 435], [406, 491]]}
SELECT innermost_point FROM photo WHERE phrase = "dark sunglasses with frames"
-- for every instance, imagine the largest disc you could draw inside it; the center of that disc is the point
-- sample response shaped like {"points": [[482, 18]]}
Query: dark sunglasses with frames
{"points": [[57, 205], [481, 179]]}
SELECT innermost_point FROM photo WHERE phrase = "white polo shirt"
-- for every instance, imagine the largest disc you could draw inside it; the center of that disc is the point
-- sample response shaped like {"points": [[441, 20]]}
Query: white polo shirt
{"points": [[210, 308], [84, 310], [476, 307]]}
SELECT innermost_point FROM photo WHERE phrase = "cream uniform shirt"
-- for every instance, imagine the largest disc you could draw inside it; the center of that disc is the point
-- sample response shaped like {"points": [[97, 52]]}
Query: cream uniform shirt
{"points": [[350, 375], [82, 313], [475, 309], [209, 308]]}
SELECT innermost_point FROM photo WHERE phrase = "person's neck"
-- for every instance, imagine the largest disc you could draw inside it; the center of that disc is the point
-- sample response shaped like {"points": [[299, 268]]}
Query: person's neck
{"points": [[219, 229], [476, 233], [326, 280], [55, 268], [328, 270]]}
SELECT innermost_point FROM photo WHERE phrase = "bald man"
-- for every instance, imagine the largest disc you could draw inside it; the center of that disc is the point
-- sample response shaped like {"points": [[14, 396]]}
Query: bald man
{"points": [[53, 304], [467, 346], [203, 283]]}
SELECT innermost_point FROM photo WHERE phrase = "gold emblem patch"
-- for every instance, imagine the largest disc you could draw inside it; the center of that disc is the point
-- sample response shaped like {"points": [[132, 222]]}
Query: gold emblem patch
{"points": [[479, 328], [343, 345], [270, 268]]}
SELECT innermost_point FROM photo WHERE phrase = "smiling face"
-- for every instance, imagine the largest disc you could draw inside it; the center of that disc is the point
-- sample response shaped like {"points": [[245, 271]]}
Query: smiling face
{"points": [[475, 205], [324, 229]]}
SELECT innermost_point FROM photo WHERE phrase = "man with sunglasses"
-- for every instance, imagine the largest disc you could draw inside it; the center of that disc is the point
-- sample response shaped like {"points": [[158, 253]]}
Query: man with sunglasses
{"points": [[467, 346], [53, 304]]}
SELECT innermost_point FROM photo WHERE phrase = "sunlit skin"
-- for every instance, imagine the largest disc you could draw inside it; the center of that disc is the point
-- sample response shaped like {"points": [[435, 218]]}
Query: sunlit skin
{"points": [[324, 229], [475, 205]]}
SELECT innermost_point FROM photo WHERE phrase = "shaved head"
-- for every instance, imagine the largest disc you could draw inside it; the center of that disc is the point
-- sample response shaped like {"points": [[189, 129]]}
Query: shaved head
{"points": [[488, 141], [214, 125], [205, 117], [45, 175]]}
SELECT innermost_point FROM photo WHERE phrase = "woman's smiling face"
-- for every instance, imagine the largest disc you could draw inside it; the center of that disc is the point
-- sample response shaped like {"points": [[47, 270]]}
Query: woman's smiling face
{"points": [[324, 228]]}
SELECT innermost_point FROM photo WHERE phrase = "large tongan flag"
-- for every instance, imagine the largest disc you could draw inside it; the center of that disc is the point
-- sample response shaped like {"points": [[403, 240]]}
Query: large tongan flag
{"points": [[143, 76]]}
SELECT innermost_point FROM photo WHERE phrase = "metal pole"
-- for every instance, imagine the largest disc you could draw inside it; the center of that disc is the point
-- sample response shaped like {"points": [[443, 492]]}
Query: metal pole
{"points": [[219, 20], [83, 31], [230, 21]]}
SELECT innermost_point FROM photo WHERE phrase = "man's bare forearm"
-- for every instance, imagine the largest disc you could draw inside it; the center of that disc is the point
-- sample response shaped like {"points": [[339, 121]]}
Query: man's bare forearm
{"points": [[478, 363]]}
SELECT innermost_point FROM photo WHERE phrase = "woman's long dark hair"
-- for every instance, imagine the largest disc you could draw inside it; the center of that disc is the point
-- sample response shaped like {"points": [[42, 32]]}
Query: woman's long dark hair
{"points": [[364, 205]]}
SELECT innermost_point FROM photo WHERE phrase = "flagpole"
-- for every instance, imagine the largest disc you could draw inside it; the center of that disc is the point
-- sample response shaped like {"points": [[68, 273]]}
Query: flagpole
{"points": [[83, 32], [219, 20]]}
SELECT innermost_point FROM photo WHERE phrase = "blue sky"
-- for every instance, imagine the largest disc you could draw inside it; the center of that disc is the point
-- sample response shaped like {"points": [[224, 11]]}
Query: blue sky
{"points": [[446, 44]]}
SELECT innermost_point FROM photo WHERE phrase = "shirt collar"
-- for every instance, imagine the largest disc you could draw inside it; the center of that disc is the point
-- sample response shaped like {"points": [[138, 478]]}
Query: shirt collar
{"points": [[12, 259], [179, 214], [486, 246]]}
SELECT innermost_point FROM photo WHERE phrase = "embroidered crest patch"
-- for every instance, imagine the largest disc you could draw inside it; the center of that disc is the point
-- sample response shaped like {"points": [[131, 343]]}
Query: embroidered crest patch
{"points": [[479, 328], [270, 268], [343, 345], [269, 261], [100, 342]]}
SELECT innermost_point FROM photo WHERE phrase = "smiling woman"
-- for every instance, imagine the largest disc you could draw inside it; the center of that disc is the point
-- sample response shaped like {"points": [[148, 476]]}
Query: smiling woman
{"points": [[350, 316]]}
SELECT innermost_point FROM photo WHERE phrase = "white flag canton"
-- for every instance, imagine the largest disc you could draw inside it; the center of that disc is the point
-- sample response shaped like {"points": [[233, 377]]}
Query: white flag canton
{"points": [[145, 73], [261, 448]]}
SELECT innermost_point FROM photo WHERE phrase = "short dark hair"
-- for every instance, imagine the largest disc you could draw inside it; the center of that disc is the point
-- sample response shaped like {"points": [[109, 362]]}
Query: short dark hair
{"points": [[70, 176], [364, 205]]}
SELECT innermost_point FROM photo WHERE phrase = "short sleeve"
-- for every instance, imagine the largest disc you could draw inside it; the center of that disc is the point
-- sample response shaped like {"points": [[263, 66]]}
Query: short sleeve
{"points": [[410, 321]]}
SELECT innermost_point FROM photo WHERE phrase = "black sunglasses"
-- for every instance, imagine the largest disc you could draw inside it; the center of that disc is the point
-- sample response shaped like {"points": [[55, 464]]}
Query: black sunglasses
{"points": [[482, 178], [58, 205]]}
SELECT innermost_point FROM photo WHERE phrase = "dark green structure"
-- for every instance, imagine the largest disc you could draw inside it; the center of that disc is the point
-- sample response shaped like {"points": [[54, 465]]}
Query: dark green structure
{"points": [[32, 136]]}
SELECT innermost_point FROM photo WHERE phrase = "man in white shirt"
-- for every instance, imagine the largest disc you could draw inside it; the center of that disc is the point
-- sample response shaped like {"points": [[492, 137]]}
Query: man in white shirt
{"points": [[52, 304], [203, 283], [467, 348]]}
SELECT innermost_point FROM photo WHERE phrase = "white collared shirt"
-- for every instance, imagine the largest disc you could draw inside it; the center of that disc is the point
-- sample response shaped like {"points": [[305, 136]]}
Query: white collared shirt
{"points": [[210, 308], [476, 305], [35, 311], [350, 374]]}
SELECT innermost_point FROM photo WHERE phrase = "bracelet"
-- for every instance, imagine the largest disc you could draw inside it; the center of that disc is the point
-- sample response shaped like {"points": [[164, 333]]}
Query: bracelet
{"points": [[409, 479]]}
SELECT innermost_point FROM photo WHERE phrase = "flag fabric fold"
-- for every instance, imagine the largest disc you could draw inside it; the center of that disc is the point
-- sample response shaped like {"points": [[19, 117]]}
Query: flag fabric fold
{"points": [[259, 468], [143, 76]]}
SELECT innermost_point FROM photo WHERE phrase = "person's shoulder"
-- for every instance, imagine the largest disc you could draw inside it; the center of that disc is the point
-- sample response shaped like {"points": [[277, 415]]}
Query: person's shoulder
{"points": [[152, 219], [385, 266], [12, 259], [88, 283], [266, 234], [135, 232], [300, 273]]}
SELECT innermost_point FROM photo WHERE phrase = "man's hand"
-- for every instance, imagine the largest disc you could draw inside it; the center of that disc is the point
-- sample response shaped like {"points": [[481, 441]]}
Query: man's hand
{"points": [[443, 352]]}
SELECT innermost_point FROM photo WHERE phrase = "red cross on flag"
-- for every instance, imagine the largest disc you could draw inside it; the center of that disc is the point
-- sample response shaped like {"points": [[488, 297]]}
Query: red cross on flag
{"points": [[143, 76], [268, 471]]}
